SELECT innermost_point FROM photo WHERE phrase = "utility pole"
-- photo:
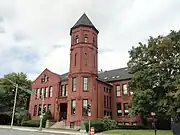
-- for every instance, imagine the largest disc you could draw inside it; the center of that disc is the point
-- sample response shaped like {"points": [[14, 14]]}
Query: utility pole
{"points": [[41, 116], [14, 107]]}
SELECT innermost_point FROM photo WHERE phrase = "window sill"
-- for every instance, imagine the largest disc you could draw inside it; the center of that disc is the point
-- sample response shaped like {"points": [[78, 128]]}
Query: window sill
{"points": [[85, 91]]}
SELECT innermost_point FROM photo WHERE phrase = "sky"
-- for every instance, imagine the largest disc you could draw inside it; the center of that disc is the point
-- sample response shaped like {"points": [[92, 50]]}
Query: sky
{"points": [[34, 34]]}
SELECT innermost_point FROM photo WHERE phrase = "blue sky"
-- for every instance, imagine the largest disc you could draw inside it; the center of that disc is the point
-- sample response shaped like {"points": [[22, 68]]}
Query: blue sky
{"points": [[34, 34]]}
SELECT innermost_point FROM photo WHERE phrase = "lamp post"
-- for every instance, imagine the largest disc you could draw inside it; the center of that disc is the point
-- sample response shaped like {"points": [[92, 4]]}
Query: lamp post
{"points": [[154, 122], [14, 107], [42, 108]]}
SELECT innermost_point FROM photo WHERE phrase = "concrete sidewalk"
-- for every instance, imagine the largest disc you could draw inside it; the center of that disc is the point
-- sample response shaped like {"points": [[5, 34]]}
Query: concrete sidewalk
{"points": [[54, 131]]}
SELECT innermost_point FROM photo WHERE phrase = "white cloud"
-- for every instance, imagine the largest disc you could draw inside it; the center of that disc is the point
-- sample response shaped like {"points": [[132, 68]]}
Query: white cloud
{"points": [[41, 29]]}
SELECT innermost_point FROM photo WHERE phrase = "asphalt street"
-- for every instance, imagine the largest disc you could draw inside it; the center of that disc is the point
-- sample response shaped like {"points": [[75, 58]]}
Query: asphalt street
{"points": [[17, 132]]}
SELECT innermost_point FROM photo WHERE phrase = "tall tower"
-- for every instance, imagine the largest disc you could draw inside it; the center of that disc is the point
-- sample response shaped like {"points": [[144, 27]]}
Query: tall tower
{"points": [[82, 83]]}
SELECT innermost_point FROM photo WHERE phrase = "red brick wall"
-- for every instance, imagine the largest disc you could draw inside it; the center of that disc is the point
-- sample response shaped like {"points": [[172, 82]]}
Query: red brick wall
{"points": [[54, 81]]}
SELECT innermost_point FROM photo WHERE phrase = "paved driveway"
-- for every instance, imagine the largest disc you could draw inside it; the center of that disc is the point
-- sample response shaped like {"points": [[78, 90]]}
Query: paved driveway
{"points": [[17, 132]]}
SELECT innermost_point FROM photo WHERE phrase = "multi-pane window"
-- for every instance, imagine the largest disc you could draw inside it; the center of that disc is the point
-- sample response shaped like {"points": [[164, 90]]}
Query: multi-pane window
{"points": [[118, 91], [84, 107], [77, 39], [85, 38], [50, 91], [63, 90], [107, 101], [49, 107], [125, 89], [35, 110], [126, 109], [47, 92], [43, 93], [73, 106], [104, 101], [38, 93], [39, 109], [66, 90], [119, 109], [74, 84], [85, 80]]}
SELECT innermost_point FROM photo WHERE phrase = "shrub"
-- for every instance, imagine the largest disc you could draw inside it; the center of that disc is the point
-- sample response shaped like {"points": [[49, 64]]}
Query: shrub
{"points": [[133, 127], [109, 123], [97, 124], [31, 123]]}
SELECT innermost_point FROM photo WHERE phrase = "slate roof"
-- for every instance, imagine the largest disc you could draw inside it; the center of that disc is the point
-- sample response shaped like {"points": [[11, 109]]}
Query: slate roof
{"points": [[108, 76], [84, 21], [115, 75]]}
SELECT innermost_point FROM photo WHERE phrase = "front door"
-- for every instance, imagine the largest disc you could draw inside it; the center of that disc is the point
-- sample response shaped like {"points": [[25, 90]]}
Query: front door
{"points": [[63, 111]]}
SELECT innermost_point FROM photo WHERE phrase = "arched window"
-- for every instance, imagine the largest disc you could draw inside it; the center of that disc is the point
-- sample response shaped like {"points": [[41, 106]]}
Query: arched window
{"points": [[77, 39], [86, 59], [85, 38]]}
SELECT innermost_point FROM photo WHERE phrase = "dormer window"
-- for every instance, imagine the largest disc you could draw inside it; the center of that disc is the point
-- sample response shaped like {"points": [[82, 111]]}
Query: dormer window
{"points": [[85, 38], [77, 39]]}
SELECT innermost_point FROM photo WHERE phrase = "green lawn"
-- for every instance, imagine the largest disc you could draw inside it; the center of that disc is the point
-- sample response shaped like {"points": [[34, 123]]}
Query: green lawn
{"points": [[137, 132]]}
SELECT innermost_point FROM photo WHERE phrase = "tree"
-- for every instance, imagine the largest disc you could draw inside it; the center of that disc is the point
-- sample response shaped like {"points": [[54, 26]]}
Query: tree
{"points": [[156, 76], [7, 92]]}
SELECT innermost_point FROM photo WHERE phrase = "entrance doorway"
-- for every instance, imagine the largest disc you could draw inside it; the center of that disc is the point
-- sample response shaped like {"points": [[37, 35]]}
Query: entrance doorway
{"points": [[63, 111]]}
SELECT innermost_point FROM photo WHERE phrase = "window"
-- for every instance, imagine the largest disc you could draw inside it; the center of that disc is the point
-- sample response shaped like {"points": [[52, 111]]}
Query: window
{"points": [[77, 39], [49, 107], [104, 101], [73, 106], [62, 90], [118, 92], [126, 109], [66, 90], [35, 110], [50, 91], [38, 93], [75, 59], [85, 38], [43, 93], [39, 109], [105, 113], [86, 59], [71, 124], [119, 109], [85, 80], [74, 84], [125, 89], [84, 107], [46, 92]]}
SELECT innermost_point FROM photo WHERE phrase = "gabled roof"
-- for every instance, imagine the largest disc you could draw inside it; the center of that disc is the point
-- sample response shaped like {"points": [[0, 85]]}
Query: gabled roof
{"points": [[84, 21], [108, 76]]}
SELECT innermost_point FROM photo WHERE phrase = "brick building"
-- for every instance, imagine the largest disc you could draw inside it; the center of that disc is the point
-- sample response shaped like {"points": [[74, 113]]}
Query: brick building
{"points": [[68, 95]]}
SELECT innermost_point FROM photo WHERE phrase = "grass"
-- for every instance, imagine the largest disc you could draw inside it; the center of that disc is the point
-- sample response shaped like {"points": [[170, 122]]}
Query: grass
{"points": [[138, 132]]}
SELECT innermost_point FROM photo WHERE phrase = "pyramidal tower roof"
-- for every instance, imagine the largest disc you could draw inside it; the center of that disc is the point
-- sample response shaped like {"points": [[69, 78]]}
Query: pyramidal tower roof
{"points": [[84, 21]]}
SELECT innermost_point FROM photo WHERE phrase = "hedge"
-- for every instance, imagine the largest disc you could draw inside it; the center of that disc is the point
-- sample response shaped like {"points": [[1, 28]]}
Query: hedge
{"points": [[97, 124], [33, 123]]}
